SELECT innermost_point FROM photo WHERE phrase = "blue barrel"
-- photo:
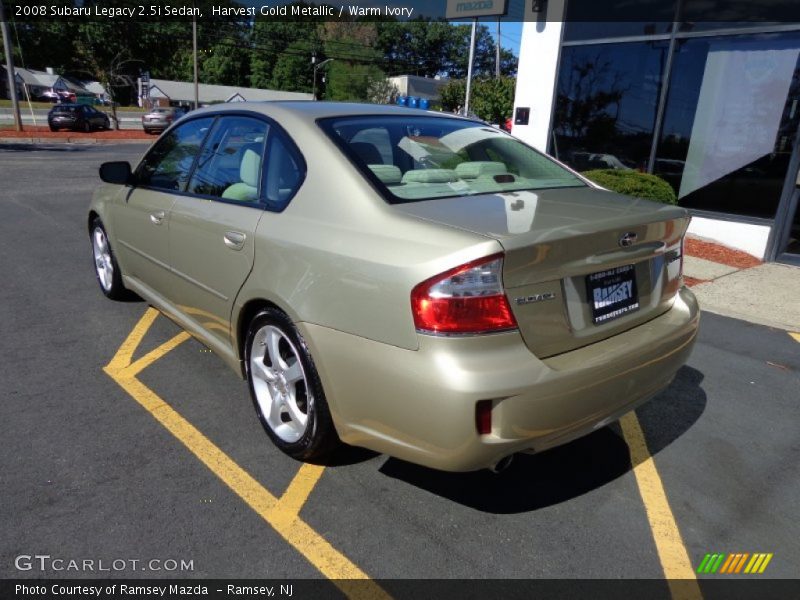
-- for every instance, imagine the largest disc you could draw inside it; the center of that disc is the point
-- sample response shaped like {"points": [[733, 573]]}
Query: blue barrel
{"points": [[413, 102], [424, 104], [401, 100]]}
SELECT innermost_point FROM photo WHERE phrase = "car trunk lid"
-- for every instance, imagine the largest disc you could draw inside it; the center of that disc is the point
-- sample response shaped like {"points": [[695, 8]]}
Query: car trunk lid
{"points": [[581, 264]]}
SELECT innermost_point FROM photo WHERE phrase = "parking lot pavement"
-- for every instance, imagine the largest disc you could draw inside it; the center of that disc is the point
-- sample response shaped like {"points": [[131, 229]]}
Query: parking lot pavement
{"points": [[108, 460]]}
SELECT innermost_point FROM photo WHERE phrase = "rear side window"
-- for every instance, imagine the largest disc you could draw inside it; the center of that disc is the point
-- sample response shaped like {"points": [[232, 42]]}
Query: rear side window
{"points": [[229, 166], [284, 172], [168, 164]]}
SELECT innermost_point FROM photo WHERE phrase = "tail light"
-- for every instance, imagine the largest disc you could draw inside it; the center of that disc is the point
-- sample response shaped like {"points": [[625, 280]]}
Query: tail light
{"points": [[467, 299], [483, 417]]}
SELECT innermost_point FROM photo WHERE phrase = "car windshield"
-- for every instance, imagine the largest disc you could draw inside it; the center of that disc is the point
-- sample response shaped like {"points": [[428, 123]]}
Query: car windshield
{"points": [[66, 109], [425, 157]]}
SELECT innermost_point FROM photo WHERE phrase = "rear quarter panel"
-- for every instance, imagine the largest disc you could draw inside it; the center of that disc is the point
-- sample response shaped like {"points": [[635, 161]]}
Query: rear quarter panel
{"points": [[342, 258]]}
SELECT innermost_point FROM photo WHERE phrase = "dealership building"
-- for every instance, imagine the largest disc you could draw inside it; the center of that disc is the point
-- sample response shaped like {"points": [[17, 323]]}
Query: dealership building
{"points": [[712, 107]]}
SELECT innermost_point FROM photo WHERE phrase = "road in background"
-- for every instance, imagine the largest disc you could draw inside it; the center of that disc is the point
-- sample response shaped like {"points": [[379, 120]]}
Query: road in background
{"points": [[128, 119]]}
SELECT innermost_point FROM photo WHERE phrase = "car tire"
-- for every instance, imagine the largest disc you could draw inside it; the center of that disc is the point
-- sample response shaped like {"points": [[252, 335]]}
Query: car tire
{"points": [[106, 269], [286, 389], [87, 127], [53, 128]]}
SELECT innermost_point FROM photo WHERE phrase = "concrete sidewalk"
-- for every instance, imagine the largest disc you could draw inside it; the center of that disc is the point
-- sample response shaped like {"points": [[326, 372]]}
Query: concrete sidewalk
{"points": [[767, 294]]}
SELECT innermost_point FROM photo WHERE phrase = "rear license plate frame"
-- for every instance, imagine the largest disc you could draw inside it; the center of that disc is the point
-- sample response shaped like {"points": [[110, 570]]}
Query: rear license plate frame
{"points": [[612, 293]]}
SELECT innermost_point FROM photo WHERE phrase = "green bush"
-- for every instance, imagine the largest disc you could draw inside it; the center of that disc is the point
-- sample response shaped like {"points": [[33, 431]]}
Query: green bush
{"points": [[633, 183]]}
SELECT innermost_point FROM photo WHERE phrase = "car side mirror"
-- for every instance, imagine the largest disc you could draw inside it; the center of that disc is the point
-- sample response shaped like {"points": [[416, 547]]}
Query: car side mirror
{"points": [[118, 172]]}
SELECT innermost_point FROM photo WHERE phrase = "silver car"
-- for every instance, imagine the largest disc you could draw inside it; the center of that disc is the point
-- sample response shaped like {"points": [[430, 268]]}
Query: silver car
{"points": [[159, 118], [416, 283]]}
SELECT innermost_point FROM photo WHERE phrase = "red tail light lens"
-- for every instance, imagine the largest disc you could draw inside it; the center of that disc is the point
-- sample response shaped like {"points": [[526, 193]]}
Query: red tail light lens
{"points": [[483, 417], [467, 299]]}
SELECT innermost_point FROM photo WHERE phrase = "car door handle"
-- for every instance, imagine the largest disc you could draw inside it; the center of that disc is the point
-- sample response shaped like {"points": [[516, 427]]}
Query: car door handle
{"points": [[157, 217], [234, 240]]}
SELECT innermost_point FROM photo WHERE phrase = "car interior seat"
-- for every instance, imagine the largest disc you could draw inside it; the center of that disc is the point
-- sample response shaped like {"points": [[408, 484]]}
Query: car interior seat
{"points": [[246, 190]]}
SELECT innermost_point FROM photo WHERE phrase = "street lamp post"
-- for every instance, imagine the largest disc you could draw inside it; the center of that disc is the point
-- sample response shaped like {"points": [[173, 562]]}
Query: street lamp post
{"points": [[316, 67], [11, 73]]}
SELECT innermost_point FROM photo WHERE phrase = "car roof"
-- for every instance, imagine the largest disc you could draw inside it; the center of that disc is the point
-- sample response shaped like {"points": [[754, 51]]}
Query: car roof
{"points": [[312, 110]]}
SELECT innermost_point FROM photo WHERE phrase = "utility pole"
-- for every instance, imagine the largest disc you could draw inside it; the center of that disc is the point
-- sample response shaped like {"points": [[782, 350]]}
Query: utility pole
{"points": [[194, 62], [469, 66], [12, 84], [317, 66], [497, 52]]}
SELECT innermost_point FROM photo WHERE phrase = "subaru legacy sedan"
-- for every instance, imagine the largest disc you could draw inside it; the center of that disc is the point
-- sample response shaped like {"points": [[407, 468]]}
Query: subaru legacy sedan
{"points": [[415, 283]]}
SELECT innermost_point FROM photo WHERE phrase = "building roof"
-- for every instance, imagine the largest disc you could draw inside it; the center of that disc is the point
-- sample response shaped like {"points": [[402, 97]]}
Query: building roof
{"points": [[95, 87], [184, 91]]}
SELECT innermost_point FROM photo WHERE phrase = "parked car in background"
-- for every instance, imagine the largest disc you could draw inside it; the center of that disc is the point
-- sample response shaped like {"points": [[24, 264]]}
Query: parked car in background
{"points": [[161, 117], [420, 285], [49, 96], [78, 117]]}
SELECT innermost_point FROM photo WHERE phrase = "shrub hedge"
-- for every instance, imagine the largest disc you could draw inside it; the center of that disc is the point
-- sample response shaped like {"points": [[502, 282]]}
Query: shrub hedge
{"points": [[633, 183]]}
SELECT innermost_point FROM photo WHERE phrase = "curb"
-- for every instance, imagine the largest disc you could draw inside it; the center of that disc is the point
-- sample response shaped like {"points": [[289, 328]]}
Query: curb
{"points": [[72, 140]]}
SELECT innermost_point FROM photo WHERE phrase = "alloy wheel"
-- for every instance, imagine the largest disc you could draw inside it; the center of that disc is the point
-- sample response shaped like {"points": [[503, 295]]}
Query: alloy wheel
{"points": [[280, 384], [102, 259]]}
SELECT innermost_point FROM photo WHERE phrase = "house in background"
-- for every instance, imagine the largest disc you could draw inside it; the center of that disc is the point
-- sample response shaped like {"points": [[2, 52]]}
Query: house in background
{"points": [[162, 92], [48, 85]]}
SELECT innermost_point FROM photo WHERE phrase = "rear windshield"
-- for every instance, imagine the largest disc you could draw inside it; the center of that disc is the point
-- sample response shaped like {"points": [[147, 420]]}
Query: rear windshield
{"points": [[66, 109], [421, 158]]}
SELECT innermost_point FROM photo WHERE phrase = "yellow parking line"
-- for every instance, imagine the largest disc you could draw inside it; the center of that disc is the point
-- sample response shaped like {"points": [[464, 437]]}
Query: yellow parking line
{"points": [[148, 359], [124, 355], [795, 335], [671, 550], [282, 514], [299, 489]]}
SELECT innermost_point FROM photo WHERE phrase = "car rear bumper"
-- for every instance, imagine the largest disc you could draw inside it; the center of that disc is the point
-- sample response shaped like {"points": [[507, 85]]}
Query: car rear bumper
{"points": [[420, 405]]}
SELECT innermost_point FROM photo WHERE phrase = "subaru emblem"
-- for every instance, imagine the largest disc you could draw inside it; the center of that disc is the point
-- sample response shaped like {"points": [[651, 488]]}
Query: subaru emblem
{"points": [[628, 239]]}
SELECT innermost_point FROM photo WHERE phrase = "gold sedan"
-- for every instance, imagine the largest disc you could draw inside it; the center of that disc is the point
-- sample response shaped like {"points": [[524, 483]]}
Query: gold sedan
{"points": [[411, 282]]}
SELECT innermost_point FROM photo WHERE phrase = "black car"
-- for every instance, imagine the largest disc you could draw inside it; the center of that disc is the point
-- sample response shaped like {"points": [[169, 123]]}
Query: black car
{"points": [[78, 117]]}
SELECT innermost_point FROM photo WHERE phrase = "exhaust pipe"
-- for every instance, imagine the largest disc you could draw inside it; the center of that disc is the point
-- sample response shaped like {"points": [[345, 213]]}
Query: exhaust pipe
{"points": [[502, 464]]}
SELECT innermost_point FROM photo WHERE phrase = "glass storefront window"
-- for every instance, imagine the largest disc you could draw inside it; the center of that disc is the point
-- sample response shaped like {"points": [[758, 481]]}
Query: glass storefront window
{"points": [[730, 122], [598, 30], [606, 103], [590, 19], [705, 15]]}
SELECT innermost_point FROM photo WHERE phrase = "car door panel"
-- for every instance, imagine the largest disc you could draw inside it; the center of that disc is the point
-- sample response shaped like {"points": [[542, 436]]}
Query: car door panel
{"points": [[142, 218], [212, 230], [141, 225], [212, 252]]}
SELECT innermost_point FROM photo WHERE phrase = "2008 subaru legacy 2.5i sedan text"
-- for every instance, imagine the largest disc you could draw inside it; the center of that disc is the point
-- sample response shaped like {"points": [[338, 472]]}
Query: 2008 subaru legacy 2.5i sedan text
{"points": [[411, 282]]}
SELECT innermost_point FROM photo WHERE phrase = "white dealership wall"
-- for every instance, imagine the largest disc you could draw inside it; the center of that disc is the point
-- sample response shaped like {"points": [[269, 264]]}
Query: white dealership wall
{"points": [[536, 80], [538, 70]]}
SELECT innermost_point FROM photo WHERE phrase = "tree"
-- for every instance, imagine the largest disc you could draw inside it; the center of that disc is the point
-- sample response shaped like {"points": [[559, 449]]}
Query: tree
{"points": [[430, 48], [491, 99], [293, 71], [273, 39], [354, 74]]}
